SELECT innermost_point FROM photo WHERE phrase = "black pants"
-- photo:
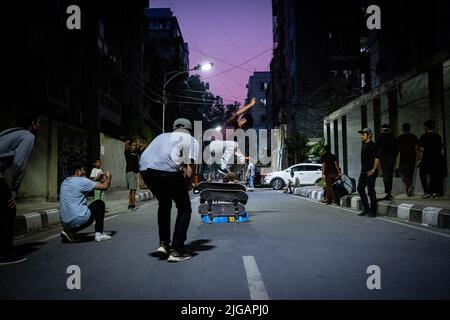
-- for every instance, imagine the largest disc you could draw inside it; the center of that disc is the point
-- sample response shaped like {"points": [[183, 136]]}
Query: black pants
{"points": [[7, 220], [387, 168], [97, 209], [433, 170], [406, 169], [339, 191], [369, 182], [168, 186]]}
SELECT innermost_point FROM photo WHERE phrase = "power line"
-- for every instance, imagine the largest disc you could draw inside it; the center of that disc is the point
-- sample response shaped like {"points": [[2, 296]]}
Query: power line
{"points": [[219, 59], [226, 33], [255, 57], [204, 54], [192, 98]]}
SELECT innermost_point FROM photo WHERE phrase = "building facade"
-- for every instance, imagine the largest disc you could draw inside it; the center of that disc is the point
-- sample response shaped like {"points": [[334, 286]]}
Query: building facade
{"points": [[85, 84], [165, 54], [410, 58], [317, 63]]}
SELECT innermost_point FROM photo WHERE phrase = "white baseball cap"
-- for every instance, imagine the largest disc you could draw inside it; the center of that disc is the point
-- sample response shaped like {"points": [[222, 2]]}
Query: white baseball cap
{"points": [[182, 123]]}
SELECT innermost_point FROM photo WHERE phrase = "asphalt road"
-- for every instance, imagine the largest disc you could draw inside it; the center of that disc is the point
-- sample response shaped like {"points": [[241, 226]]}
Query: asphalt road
{"points": [[292, 249]]}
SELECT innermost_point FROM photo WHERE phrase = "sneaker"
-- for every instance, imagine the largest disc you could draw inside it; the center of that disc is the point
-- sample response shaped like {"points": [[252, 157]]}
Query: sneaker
{"points": [[386, 198], [178, 256], [436, 195], [362, 214], [163, 249], [101, 237], [11, 259], [426, 196], [69, 236], [224, 171]]}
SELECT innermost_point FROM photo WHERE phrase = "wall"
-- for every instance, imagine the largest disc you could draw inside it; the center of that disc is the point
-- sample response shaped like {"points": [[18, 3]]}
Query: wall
{"points": [[113, 159], [447, 114], [35, 183], [413, 103], [354, 143]]}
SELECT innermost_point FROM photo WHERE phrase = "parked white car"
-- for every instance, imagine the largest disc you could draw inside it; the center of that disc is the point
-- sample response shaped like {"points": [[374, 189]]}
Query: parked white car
{"points": [[306, 173]]}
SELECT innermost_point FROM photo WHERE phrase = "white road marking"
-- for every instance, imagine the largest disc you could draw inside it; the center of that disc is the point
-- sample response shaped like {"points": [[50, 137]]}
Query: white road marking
{"points": [[255, 283], [384, 219]]}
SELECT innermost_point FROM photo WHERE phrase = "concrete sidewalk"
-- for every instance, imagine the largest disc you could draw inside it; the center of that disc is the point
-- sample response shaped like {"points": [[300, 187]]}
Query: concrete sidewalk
{"points": [[428, 212], [34, 216]]}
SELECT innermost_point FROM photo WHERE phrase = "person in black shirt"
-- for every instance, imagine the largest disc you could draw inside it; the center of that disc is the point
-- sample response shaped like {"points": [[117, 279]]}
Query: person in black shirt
{"points": [[431, 161], [330, 171], [132, 152], [388, 146], [408, 156], [370, 160]]}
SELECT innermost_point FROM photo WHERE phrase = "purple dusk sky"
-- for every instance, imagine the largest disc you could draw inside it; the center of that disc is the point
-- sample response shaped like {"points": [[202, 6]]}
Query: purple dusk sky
{"points": [[229, 30]]}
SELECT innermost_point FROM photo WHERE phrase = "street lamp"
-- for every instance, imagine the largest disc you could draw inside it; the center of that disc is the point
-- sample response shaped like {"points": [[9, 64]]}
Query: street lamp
{"points": [[202, 67]]}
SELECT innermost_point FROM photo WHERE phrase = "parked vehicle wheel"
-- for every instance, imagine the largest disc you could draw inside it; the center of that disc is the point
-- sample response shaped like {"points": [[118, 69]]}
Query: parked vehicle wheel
{"points": [[277, 184]]}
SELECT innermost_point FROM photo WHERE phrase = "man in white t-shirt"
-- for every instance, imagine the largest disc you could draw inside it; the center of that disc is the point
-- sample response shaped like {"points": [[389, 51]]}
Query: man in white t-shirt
{"points": [[75, 214], [167, 167]]}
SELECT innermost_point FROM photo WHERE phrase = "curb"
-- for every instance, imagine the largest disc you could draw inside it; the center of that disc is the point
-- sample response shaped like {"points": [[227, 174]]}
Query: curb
{"points": [[315, 193], [39, 220], [408, 212]]}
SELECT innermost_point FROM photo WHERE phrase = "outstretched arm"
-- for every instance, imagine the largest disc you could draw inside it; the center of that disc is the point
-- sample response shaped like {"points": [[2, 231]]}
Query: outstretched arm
{"points": [[243, 110]]}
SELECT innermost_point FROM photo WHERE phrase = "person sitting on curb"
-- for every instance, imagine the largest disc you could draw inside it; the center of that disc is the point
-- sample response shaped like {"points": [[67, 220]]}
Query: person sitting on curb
{"points": [[292, 183], [75, 214], [342, 187]]}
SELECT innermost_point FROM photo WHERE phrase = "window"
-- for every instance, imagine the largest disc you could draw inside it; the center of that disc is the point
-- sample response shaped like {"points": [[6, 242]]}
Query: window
{"points": [[264, 86], [263, 102], [297, 168], [312, 168]]}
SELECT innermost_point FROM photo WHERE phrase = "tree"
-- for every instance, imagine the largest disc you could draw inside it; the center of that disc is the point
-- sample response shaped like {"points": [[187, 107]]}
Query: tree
{"points": [[316, 150], [297, 148]]}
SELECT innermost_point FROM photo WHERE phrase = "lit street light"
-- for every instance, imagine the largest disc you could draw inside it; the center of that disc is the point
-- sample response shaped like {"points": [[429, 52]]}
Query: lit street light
{"points": [[202, 67]]}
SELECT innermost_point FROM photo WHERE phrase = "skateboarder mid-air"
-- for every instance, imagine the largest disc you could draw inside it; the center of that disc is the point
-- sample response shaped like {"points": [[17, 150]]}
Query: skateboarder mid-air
{"points": [[242, 119]]}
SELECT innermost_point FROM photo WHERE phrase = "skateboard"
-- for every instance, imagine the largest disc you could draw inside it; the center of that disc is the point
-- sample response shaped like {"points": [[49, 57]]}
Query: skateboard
{"points": [[219, 186], [223, 195], [222, 202]]}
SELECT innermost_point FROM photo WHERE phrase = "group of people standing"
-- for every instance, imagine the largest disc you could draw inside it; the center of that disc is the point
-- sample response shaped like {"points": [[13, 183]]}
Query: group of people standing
{"points": [[424, 153]]}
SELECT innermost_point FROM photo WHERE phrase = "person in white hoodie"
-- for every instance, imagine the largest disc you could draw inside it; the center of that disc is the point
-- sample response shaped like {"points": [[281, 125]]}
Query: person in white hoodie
{"points": [[16, 145]]}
